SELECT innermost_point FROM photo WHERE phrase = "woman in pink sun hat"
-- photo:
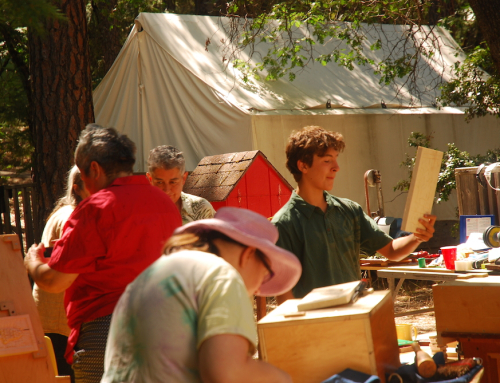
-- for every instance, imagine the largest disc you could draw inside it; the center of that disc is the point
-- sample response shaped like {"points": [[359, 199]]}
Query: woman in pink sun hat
{"points": [[189, 316]]}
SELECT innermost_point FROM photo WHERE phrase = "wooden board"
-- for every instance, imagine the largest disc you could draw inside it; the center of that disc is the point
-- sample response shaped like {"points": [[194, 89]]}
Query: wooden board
{"points": [[422, 188], [383, 262], [441, 270], [406, 274], [16, 300]]}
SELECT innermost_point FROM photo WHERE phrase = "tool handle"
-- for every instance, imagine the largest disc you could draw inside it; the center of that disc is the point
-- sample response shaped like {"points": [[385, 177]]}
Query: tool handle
{"points": [[425, 364]]}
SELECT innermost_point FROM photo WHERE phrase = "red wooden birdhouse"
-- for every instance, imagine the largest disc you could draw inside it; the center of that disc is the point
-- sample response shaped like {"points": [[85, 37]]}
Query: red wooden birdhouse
{"points": [[244, 179]]}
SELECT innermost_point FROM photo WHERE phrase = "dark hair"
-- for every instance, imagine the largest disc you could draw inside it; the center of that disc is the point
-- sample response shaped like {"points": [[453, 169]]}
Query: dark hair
{"points": [[114, 152], [305, 143], [201, 241]]}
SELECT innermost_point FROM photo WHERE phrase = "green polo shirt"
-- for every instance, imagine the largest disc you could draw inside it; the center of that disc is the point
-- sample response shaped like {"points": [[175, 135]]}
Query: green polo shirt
{"points": [[328, 244]]}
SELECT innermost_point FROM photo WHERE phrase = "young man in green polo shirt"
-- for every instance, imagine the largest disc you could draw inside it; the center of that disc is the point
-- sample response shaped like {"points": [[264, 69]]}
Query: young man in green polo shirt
{"points": [[325, 232]]}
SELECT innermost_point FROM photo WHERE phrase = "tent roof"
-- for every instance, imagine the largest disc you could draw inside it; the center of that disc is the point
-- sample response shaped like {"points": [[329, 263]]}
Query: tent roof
{"points": [[184, 37]]}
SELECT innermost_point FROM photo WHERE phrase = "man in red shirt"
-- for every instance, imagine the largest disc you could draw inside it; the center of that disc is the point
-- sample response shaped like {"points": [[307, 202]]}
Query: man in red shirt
{"points": [[110, 238]]}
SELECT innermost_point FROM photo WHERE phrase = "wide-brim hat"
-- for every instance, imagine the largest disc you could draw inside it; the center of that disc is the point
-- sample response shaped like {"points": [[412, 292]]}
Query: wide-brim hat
{"points": [[252, 229]]}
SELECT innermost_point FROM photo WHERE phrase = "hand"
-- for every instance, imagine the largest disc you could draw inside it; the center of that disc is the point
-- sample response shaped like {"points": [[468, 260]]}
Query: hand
{"points": [[34, 257], [423, 235]]}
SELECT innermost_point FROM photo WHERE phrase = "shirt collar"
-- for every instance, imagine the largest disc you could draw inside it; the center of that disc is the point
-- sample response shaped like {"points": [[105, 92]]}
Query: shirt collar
{"points": [[307, 209], [186, 204]]}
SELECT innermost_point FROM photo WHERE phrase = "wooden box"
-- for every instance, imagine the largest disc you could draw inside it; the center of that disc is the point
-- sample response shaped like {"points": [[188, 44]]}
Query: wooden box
{"points": [[471, 305], [313, 347], [469, 311]]}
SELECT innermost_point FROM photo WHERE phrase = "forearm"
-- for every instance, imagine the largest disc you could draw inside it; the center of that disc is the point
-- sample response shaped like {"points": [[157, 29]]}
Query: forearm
{"points": [[250, 371], [47, 279], [225, 359], [259, 371], [400, 248], [43, 275]]}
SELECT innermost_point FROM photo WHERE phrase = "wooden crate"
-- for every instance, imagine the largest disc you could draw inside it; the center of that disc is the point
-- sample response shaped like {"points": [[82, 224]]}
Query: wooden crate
{"points": [[469, 311], [313, 347]]}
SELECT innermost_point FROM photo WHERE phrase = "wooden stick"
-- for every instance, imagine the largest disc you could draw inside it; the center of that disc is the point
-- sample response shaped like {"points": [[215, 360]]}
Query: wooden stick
{"points": [[425, 364]]}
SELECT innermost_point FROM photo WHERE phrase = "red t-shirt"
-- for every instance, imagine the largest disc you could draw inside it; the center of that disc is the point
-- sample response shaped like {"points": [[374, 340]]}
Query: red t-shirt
{"points": [[110, 238]]}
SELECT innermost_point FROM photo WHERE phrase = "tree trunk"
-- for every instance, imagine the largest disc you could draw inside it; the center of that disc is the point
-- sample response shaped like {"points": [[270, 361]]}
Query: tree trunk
{"points": [[61, 100], [488, 15]]}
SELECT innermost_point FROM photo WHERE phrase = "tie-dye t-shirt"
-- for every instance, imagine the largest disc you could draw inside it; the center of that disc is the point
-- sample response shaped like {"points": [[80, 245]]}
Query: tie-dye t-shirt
{"points": [[164, 316]]}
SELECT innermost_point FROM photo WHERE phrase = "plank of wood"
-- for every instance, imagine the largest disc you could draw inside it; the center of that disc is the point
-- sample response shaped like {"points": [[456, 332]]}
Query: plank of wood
{"points": [[422, 188], [471, 197], [423, 269], [410, 274], [442, 270]]}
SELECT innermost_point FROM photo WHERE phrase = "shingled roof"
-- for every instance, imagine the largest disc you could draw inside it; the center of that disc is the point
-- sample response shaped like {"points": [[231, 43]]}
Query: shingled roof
{"points": [[215, 176]]}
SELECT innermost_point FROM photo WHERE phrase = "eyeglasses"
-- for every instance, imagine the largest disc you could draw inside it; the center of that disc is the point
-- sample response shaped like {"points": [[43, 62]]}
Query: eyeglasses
{"points": [[263, 259]]}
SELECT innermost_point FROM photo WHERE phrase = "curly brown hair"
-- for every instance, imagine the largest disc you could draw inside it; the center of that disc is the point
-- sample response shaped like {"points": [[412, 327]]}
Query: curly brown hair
{"points": [[305, 143]]}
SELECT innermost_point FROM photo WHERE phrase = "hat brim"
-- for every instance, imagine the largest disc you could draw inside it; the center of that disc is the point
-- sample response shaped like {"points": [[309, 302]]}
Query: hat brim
{"points": [[285, 265]]}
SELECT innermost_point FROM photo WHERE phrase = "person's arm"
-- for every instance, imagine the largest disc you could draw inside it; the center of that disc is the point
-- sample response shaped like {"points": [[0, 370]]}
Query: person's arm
{"points": [[400, 248], [43, 275], [224, 359], [283, 298]]}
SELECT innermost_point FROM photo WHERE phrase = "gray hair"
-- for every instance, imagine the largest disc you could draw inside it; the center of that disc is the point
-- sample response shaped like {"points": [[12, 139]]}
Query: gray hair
{"points": [[113, 151], [166, 157]]}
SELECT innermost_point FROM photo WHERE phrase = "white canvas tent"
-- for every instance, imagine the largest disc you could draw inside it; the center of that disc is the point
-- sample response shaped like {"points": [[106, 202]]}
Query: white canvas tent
{"points": [[168, 87]]}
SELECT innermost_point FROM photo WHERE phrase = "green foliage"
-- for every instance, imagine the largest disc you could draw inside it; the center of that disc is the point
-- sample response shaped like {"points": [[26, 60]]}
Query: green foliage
{"points": [[13, 99], [473, 87], [453, 158], [118, 17], [325, 20], [28, 13], [275, 22]]}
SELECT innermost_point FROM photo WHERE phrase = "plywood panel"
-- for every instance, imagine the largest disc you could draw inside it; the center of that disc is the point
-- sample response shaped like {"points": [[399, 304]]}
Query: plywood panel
{"points": [[305, 350], [471, 307], [422, 188], [16, 300], [468, 195]]}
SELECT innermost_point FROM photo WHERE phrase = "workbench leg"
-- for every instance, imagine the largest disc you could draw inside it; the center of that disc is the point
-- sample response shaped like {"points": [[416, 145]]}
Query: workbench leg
{"points": [[394, 289], [390, 281]]}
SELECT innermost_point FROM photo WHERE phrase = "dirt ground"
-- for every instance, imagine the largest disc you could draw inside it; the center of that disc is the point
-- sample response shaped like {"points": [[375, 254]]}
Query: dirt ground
{"points": [[416, 296]]}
